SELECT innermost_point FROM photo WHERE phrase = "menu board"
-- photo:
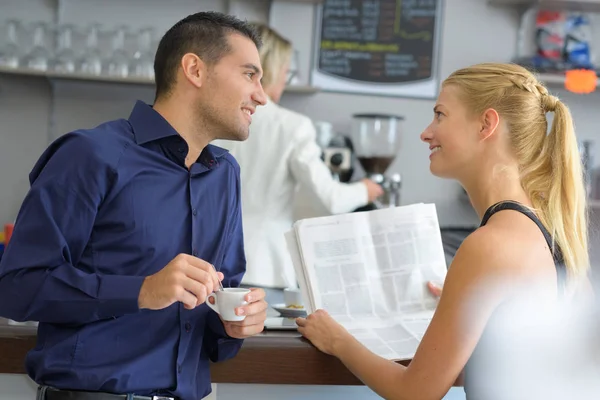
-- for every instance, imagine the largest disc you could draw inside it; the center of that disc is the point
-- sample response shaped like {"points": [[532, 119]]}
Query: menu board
{"points": [[387, 47]]}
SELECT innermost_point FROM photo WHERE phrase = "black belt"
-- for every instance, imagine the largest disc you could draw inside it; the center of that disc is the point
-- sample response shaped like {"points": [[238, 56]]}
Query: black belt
{"points": [[49, 393]]}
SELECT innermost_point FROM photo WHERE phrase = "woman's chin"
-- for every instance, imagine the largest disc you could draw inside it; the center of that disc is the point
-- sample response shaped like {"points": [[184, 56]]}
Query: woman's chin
{"points": [[434, 169], [438, 171]]}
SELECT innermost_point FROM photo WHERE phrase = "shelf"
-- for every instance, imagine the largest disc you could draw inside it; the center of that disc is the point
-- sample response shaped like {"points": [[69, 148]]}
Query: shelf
{"points": [[576, 5], [302, 89], [75, 76], [554, 80], [118, 80], [300, 1]]}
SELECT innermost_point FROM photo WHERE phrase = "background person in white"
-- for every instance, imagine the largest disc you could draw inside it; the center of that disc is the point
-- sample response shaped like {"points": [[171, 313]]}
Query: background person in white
{"points": [[280, 155]]}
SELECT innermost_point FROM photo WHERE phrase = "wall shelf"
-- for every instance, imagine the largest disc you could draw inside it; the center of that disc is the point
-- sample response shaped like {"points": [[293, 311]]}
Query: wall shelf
{"points": [[301, 1], [577, 5], [302, 89], [554, 79]]}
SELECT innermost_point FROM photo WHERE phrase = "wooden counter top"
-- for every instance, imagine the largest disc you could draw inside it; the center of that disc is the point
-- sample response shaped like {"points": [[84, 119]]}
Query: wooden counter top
{"points": [[272, 357]]}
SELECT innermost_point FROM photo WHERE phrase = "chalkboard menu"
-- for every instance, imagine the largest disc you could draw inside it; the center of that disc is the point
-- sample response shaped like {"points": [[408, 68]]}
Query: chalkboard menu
{"points": [[384, 47]]}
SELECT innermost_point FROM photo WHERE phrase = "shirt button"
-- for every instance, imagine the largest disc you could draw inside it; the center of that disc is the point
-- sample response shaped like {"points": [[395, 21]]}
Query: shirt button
{"points": [[188, 327], [194, 211], [181, 150], [179, 368], [195, 253]]}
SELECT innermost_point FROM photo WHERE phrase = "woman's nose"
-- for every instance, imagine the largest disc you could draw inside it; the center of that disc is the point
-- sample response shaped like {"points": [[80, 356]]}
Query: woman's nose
{"points": [[426, 135]]}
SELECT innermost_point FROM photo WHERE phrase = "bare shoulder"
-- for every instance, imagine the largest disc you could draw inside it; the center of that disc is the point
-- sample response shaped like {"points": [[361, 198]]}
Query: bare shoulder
{"points": [[509, 247], [484, 253]]}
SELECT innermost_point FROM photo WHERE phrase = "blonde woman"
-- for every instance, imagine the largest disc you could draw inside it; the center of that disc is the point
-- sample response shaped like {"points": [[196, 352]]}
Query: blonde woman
{"points": [[489, 132], [280, 154]]}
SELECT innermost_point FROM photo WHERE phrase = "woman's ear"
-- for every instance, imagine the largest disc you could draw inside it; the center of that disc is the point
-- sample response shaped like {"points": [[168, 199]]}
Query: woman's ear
{"points": [[489, 123]]}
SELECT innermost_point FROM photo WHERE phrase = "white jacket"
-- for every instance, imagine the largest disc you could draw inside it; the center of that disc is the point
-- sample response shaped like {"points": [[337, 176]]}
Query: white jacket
{"points": [[280, 155]]}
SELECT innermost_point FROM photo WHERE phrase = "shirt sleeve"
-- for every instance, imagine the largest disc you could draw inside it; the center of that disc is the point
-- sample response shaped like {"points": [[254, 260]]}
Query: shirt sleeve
{"points": [[308, 169], [41, 278], [221, 346]]}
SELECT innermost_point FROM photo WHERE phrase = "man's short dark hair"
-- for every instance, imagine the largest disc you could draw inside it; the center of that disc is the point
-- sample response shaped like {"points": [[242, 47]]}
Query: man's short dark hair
{"points": [[204, 34]]}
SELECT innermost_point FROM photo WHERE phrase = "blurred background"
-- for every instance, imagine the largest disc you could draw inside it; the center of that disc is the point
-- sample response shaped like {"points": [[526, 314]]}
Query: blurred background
{"points": [[359, 68]]}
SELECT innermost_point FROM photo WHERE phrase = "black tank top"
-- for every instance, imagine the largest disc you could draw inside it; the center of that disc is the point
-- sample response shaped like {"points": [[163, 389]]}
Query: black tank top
{"points": [[481, 377], [556, 254]]}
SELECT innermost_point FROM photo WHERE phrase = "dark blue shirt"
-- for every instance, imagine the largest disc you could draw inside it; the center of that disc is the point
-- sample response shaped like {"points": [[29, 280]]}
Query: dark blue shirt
{"points": [[107, 207]]}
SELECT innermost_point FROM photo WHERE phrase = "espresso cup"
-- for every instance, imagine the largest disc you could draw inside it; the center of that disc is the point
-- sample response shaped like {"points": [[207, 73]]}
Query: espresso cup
{"points": [[226, 301]]}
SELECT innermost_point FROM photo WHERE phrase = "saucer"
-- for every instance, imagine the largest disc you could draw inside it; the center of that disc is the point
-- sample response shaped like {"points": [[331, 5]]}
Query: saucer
{"points": [[280, 324], [289, 312]]}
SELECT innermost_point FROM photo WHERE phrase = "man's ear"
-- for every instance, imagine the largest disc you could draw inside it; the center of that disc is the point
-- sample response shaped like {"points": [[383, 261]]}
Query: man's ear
{"points": [[490, 119], [194, 69]]}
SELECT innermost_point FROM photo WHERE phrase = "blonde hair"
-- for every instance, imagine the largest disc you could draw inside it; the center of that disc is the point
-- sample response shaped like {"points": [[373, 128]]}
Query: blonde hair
{"points": [[549, 163], [275, 52]]}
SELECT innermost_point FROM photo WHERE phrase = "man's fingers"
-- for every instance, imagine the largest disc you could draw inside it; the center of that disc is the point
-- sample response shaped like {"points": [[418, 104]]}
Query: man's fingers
{"points": [[198, 289], [256, 319], [252, 308], [202, 277], [255, 295], [188, 299], [245, 331], [205, 266]]}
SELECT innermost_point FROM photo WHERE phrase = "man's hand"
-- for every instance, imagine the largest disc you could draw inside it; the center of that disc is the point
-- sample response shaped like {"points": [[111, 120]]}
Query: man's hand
{"points": [[255, 312], [374, 190], [186, 279]]}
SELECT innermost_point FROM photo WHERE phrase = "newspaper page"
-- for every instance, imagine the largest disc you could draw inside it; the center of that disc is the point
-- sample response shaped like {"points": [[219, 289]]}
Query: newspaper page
{"points": [[369, 271]]}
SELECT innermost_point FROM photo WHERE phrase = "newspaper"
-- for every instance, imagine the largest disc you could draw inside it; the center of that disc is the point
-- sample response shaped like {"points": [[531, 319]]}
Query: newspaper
{"points": [[369, 271]]}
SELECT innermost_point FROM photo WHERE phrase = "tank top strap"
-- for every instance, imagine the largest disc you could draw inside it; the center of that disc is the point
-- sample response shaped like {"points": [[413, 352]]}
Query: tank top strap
{"points": [[556, 252]]}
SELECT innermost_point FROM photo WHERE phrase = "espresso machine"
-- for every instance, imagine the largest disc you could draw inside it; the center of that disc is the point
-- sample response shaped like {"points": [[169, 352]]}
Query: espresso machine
{"points": [[373, 143], [376, 141], [337, 151]]}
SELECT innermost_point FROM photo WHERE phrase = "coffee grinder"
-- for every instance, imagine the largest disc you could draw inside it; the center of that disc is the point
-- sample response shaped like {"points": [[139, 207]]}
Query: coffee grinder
{"points": [[376, 139]]}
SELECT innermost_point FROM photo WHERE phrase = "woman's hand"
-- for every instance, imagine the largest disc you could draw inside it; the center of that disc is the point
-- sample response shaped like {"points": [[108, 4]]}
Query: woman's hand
{"points": [[323, 332], [434, 289]]}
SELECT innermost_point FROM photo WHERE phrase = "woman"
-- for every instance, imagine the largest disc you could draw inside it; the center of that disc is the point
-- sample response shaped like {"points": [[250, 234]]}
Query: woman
{"points": [[280, 154], [489, 132]]}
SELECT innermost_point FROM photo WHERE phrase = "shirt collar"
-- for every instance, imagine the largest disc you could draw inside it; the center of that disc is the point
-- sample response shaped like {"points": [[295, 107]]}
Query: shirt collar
{"points": [[148, 125]]}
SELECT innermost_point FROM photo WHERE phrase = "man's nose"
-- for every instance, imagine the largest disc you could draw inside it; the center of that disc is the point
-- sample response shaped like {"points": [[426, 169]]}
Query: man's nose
{"points": [[259, 96]]}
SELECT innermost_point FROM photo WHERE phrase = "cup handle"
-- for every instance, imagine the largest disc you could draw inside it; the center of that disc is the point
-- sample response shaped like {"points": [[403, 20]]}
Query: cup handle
{"points": [[214, 307]]}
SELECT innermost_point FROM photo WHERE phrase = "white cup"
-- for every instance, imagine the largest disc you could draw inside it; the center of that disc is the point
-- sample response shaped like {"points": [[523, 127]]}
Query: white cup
{"points": [[226, 301]]}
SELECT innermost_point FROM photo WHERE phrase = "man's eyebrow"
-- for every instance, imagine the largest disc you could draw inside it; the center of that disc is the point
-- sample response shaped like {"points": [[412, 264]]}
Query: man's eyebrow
{"points": [[252, 67]]}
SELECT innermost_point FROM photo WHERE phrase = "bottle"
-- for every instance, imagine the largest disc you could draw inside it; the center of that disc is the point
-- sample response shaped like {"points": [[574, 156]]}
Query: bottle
{"points": [[587, 161], [8, 230], [1, 244]]}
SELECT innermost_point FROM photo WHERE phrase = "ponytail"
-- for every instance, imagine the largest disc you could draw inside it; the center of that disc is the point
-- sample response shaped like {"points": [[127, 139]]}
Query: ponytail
{"points": [[563, 207]]}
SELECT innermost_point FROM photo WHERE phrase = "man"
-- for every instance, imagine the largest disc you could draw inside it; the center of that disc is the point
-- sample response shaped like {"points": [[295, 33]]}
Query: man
{"points": [[114, 246]]}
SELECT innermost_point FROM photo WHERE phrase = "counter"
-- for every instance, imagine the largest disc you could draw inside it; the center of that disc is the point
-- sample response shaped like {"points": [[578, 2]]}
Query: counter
{"points": [[272, 357]]}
